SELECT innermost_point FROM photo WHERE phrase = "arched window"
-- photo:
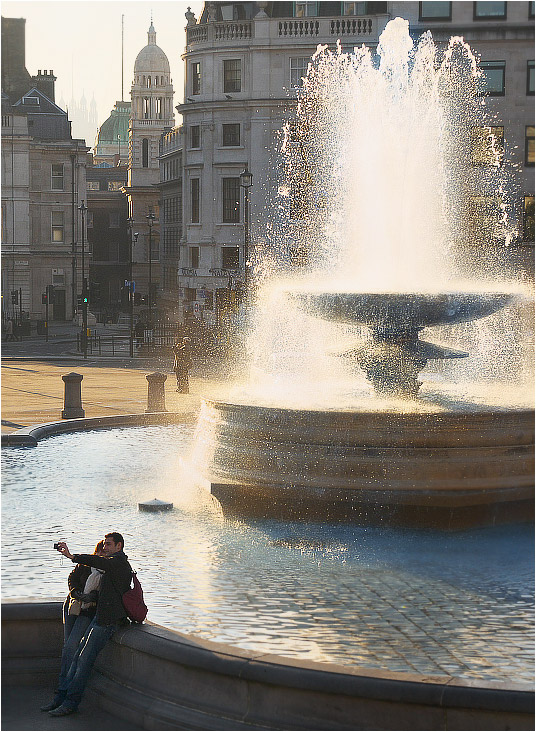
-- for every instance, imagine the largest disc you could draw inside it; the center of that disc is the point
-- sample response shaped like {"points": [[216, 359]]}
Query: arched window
{"points": [[159, 107], [148, 82], [143, 80], [146, 108], [162, 80], [145, 152]]}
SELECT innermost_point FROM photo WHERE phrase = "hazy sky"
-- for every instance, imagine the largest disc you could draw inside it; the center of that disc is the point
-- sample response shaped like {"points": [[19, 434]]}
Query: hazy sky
{"points": [[81, 42]]}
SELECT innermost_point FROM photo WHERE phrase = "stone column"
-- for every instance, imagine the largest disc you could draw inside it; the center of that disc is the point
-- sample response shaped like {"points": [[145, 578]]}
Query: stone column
{"points": [[72, 407], [156, 395]]}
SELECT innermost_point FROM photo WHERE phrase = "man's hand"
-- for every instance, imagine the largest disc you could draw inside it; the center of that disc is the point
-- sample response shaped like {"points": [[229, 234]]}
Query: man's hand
{"points": [[64, 549]]}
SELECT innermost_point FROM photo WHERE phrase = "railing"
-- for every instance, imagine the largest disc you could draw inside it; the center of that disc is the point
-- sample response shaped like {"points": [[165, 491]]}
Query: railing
{"points": [[299, 28], [289, 29], [161, 336]]}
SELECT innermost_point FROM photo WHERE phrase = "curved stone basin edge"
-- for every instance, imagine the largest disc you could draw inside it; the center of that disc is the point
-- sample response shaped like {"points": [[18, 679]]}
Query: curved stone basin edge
{"points": [[163, 679], [29, 436]]}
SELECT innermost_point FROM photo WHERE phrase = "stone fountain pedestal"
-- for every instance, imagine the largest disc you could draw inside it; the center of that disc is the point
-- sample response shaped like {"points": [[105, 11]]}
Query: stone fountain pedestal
{"points": [[448, 470]]}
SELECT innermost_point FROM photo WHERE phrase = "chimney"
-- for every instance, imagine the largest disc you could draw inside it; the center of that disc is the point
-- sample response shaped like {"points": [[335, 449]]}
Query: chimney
{"points": [[45, 82]]}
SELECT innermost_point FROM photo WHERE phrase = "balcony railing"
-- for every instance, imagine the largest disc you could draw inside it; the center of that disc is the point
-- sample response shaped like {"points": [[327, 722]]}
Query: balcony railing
{"points": [[288, 29]]}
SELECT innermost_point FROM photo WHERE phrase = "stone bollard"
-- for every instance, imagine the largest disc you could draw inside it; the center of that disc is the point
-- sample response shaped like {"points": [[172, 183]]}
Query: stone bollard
{"points": [[72, 407], [156, 395]]}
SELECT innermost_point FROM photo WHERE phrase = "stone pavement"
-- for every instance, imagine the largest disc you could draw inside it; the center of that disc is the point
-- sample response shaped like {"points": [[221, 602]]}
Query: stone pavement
{"points": [[33, 390], [20, 711]]}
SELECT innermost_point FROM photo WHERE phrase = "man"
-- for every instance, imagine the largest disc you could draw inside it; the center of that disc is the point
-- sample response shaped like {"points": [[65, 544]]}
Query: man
{"points": [[182, 364], [110, 614]]}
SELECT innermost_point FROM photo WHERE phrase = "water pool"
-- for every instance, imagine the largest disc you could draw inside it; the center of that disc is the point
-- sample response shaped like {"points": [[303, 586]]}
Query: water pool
{"points": [[384, 598]]}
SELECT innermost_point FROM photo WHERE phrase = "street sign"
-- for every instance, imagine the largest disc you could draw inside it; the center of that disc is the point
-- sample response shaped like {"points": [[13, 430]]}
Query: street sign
{"points": [[196, 307]]}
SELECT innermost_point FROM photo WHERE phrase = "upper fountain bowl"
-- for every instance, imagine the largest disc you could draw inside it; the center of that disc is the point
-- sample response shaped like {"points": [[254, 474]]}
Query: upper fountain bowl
{"points": [[400, 311]]}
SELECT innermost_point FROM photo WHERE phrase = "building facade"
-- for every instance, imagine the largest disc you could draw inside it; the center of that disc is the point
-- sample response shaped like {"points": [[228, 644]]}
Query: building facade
{"points": [[108, 241], [43, 182], [243, 64], [151, 115]]}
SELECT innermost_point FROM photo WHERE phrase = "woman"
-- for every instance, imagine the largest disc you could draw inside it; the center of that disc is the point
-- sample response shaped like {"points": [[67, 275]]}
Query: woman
{"points": [[78, 612]]}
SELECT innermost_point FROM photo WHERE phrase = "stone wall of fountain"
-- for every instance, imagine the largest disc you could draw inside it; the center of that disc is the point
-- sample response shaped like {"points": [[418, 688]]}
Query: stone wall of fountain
{"points": [[392, 182]]}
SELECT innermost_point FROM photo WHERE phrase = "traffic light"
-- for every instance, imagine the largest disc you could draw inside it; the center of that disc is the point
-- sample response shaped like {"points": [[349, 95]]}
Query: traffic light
{"points": [[14, 297], [79, 301], [44, 298], [85, 299]]}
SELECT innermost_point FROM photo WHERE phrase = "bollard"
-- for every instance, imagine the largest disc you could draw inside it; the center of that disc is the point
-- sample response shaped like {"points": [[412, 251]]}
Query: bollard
{"points": [[72, 407], [156, 395]]}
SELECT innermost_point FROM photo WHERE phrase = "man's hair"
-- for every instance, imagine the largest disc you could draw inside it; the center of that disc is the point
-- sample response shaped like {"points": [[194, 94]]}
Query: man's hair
{"points": [[116, 537]]}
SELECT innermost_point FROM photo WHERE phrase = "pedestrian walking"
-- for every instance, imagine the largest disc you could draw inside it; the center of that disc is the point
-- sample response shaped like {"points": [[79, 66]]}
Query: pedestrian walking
{"points": [[182, 364], [9, 335], [109, 616]]}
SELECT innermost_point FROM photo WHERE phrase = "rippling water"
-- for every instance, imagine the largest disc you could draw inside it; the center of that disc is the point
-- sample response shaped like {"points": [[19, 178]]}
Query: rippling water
{"points": [[392, 599]]}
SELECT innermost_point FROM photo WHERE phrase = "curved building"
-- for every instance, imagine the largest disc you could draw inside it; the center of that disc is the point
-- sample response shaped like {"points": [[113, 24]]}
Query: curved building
{"points": [[111, 144]]}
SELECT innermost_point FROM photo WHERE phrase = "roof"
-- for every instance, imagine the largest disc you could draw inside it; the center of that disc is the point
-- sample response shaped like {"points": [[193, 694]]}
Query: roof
{"points": [[151, 58]]}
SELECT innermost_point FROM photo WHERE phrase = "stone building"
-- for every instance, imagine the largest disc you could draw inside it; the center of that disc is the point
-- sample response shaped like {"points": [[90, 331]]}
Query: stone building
{"points": [[244, 61], [43, 182], [151, 115]]}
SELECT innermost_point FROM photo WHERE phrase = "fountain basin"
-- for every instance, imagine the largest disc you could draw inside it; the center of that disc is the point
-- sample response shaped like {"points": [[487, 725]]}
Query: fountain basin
{"points": [[444, 470]]}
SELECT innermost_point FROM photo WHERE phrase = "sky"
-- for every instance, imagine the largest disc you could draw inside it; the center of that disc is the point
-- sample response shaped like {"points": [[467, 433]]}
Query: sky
{"points": [[81, 42]]}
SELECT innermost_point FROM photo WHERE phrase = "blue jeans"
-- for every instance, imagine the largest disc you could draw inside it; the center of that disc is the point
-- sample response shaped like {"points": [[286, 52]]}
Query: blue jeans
{"points": [[78, 626], [73, 684]]}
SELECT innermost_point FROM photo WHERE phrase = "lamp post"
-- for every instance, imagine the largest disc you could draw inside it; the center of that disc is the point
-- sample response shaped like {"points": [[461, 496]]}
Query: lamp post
{"points": [[246, 181], [130, 224], [83, 209], [150, 221]]}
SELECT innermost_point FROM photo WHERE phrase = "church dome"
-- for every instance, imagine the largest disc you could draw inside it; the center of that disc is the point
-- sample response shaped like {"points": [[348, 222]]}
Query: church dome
{"points": [[151, 58]]}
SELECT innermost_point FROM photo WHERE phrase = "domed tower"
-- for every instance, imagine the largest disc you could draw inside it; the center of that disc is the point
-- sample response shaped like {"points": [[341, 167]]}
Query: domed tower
{"points": [[151, 114]]}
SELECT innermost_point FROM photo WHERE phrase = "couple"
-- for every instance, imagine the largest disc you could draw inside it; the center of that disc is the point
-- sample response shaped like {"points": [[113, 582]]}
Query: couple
{"points": [[94, 611]]}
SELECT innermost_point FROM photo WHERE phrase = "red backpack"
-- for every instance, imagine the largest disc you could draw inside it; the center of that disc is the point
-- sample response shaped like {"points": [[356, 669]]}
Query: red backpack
{"points": [[133, 601]]}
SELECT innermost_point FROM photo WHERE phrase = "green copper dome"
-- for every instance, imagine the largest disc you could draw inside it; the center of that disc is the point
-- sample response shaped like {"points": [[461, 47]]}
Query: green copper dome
{"points": [[116, 125]]}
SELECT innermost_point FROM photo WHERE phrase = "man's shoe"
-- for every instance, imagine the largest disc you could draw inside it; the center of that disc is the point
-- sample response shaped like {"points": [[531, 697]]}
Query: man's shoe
{"points": [[51, 706], [62, 711]]}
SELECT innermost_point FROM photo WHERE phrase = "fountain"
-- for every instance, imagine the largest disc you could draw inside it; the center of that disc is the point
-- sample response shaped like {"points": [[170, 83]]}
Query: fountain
{"points": [[308, 441]]}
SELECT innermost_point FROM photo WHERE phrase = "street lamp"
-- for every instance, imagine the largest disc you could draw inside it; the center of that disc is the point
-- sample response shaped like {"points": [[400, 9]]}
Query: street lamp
{"points": [[83, 209], [150, 221], [246, 181], [130, 224]]}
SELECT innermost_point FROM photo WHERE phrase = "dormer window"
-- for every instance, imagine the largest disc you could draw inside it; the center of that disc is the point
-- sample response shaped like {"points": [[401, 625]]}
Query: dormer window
{"points": [[31, 101]]}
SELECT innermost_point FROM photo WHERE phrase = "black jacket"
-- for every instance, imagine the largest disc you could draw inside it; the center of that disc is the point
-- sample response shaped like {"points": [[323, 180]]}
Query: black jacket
{"points": [[115, 582]]}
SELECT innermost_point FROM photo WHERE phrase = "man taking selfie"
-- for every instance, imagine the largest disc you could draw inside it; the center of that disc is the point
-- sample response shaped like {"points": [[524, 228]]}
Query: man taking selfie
{"points": [[109, 616]]}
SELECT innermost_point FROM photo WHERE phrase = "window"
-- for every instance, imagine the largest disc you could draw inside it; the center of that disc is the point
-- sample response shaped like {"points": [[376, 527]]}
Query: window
{"points": [[493, 77], [89, 219], [148, 82], [298, 69], [194, 257], [489, 11], [435, 11], [488, 146], [146, 108], [531, 10], [145, 152], [93, 185], [194, 194], [529, 145], [57, 177], [528, 218], [530, 78], [231, 135], [195, 136], [304, 9], [229, 257], [57, 226], [232, 75], [115, 185], [485, 217], [359, 8], [114, 219], [196, 77], [231, 201], [158, 101]]}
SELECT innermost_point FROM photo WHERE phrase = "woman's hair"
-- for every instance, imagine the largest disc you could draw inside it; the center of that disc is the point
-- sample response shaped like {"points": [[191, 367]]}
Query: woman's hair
{"points": [[99, 547]]}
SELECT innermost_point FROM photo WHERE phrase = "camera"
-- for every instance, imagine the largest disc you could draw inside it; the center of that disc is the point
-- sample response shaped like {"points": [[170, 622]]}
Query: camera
{"points": [[56, 546]]}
